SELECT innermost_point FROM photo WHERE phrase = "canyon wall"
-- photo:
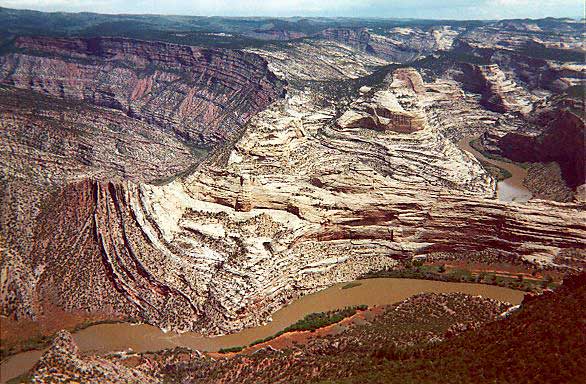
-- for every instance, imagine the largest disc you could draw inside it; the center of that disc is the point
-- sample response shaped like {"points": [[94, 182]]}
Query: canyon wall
{"points": [[202, 95], [561, 140], [296, 205]]}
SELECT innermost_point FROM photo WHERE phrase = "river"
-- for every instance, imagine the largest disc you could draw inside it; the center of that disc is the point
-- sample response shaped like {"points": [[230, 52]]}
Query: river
{"points": [[116, 337], [511, 189]]}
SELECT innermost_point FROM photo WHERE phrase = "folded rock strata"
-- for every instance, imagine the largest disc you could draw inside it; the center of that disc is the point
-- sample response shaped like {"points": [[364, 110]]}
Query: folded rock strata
{"points": [[499, 93], [384, 112], [317, 59], [298, 203], [399, 45]]}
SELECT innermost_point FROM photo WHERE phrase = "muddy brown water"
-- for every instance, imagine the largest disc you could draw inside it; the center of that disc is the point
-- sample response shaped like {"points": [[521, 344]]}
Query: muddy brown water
{"points": [[105, 338], [511, 189]]}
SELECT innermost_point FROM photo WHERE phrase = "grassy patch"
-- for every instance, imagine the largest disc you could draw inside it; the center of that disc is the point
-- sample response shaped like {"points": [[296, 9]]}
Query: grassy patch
{"points": [[351, 285], [231, 349], [458, 275], [314, 321]]}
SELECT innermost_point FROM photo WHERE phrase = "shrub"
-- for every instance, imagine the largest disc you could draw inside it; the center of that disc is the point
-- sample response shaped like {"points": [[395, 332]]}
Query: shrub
{"points": [[231, 349], [351, 285]]}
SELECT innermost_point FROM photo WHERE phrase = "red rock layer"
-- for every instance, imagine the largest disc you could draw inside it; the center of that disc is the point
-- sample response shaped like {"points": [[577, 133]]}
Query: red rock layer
{"points": [[203, 95]]}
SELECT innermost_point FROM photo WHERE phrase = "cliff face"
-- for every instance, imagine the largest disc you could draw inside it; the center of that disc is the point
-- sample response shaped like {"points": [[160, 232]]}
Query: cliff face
{"points": [[107, 109], [400, 45], [499, 93], [202, 95], [48, 142], [298, 204], [392, 344], [561, 140]]}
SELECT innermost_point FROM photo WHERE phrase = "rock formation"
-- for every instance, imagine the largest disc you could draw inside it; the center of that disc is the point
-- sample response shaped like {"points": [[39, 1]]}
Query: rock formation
{"points": [[561, 140], [399, 45], [308, 60], [202, 95], [306, 195], [297, 205], [498, 93], [384, 113], [62, 362]]}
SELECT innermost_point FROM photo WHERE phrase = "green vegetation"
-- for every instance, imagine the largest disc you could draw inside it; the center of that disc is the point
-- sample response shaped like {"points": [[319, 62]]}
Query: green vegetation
{"points": [[351, 285], [438, 273], [24, 378], [40, 341], [33, 343], [542, 342], [497, 172], [231, 349], [317, 320]]}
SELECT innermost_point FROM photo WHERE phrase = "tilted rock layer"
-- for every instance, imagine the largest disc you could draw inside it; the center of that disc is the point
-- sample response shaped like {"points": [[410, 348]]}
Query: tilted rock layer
{"points": [[202, 95], [299, 201]]}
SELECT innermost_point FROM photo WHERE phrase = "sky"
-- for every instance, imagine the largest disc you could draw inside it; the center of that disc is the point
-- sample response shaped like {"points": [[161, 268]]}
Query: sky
{"points": [[430, 9]]}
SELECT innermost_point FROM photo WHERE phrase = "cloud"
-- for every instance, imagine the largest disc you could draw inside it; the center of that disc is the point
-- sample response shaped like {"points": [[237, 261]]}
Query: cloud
{"points": [[457, 9]]}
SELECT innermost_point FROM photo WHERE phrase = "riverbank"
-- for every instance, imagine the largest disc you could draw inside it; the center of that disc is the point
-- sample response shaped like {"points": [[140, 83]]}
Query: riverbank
{"points": [[519, 279], [107, 338], [446, 273], [510, 187]]}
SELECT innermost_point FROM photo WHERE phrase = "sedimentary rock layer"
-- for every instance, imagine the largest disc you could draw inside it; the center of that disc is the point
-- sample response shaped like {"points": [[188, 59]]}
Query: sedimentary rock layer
{"points": [[203, 95], [297, 205], [399, 45], [561, 140]]}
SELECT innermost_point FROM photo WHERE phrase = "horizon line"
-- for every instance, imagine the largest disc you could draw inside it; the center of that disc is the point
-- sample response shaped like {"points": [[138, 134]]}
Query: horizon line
{"points": [[576, 18]]}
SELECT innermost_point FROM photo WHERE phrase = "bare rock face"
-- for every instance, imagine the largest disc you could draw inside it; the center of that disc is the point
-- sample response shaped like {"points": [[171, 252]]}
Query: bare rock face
{"points": [[383, 113], [400, 45], [395, 109], [297, 205], [408, 78], [75, 110], [553, 132], [303, 199], [499, 93], [202, 95], [48, 142], [356, 38], [308, 60], [561, 140]]}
